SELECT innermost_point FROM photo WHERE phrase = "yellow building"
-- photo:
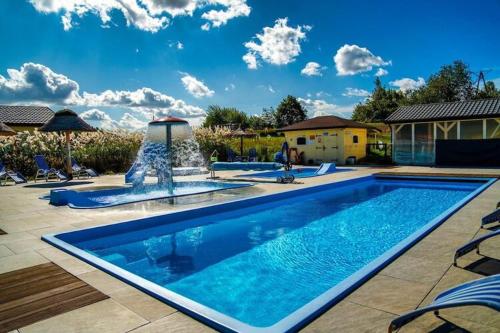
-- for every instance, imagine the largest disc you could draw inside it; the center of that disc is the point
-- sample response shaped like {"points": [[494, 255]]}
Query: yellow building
{"points": [[25, 117], [326, 139]]}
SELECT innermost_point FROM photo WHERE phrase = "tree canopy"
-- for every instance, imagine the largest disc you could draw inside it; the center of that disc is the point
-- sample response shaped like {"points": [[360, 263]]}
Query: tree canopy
{"points": [[222, 116], [289, 112], [452, 83]]}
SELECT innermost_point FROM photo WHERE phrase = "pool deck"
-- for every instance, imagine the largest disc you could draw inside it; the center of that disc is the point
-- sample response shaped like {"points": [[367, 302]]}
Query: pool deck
{"points": [[409, 282]]}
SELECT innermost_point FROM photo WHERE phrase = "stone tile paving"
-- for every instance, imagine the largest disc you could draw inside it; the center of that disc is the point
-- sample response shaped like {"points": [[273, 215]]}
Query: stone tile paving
{"points": [[410, 281]]}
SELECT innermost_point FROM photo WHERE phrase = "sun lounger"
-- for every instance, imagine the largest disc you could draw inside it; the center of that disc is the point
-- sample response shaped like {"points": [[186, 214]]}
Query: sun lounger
{"points": [[491, 218], [325, 168], [6, 174], [79, 170], [473, 245], [482, 292], [45, 171], [231, 156], [252, 155]]}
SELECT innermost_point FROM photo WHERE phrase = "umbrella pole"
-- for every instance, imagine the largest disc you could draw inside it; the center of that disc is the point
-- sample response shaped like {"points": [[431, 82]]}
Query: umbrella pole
{"points": [[68, 160]]}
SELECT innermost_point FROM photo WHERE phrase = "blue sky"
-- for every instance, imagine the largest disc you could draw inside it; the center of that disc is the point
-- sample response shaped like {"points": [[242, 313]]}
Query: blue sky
{"points": [[125, 59]]}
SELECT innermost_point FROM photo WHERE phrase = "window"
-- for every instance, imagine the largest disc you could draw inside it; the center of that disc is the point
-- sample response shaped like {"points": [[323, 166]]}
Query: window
{"points": [[424, 143], [402, 144], [354, 139], [301, 141], [492, 128], [471, 129]]}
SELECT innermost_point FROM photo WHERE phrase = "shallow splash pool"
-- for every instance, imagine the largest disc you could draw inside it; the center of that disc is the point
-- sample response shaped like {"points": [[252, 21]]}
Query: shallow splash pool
{"points": [[121, 196], [272, 263], [305, 172]]}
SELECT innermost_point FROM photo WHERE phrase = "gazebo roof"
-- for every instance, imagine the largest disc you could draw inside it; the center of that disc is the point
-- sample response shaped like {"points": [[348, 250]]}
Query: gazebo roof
{"points": [[66, 120], [6, 130]]}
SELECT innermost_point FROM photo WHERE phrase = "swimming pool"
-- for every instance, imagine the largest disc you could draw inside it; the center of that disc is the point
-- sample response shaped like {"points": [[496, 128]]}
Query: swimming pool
{"points": [[297, 173], [272, 263], [121, 196]]}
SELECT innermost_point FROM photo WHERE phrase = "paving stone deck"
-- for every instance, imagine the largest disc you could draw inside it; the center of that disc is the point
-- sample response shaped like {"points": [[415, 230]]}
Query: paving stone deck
{"points": [[410, 281]]}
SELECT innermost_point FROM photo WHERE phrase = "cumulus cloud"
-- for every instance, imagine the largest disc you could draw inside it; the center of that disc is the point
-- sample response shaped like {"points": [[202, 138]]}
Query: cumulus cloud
{"points": [[100, 118], [352, 59], [172, 7], [407, 84], [356, 92], [35, 82], [130, 122], [319, 107], [381, 72], [196, 87], [146, 15], [233, 9], [277, 45], [135, 14], [312, 69]]}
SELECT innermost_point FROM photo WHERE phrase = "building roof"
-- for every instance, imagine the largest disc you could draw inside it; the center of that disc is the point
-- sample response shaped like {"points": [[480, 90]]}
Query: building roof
{"points": [[324, 122], [66, 120], [477, 109], [20, 115]]}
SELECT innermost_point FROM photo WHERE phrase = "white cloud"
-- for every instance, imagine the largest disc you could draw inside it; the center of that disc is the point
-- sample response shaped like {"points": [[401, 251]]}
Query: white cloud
{"points": [[134, 13], [277, 45], [319, 107], [230, 87], [130, 122], [172, 7], [312, 69], [356, 92], [178, 45], [196, 87], [233, 9], [270, 89], [322, 94], [352, 59], [381, 72], [146, 15], [407, 84], [100, 119], [37, 83]]}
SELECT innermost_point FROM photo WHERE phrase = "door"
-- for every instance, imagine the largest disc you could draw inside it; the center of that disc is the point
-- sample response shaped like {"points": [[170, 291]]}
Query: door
{"points": [[326, 148]]}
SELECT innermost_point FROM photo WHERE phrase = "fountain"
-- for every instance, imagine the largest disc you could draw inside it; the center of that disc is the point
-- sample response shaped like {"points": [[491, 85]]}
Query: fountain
{"points": [[155, 158]]}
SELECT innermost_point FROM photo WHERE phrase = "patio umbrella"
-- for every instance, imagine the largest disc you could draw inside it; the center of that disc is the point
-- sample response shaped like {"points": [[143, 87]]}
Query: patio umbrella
{"points": [[6, 130], [67, 121], [241, 134]]}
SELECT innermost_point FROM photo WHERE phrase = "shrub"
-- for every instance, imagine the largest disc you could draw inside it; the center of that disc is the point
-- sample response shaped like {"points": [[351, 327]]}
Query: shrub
{"points": [[103, 151]]}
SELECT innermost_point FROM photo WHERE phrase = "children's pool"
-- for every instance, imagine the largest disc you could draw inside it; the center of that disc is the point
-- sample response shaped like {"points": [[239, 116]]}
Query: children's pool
{"points": [[272, 263], [297, 173]]}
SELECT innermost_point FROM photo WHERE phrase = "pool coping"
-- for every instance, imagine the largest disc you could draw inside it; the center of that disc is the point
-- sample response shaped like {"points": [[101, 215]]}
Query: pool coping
{"points": [[307, 312]]}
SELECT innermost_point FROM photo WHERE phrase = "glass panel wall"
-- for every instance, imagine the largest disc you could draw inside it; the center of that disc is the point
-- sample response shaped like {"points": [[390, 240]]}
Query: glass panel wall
{"points": [[492, 128], [424, 143], [402, 144], [446, 130], [471, 129]]}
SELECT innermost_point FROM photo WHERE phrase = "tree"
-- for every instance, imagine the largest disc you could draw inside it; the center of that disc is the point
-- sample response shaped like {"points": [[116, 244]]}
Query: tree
{"points": [[452, 83], [489, 91], [379, 105], [289, 112], [221, 116]]}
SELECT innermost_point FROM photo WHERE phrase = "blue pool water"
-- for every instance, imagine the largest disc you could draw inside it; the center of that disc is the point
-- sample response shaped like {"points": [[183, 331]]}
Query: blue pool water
{"points": [[298, 173], [121, 196], [273, 260]]}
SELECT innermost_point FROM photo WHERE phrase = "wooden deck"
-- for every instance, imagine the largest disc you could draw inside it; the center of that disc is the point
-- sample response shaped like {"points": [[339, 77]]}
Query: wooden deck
{"points": [[35, 293]]}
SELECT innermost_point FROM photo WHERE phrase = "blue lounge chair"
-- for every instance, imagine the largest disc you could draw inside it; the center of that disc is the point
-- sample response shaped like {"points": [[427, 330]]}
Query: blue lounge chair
{"points": [[6, 174], [252, 155], [231, 156], [491, 218], [473, 245], [79, 170], [482, 292], [45, 171]]}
